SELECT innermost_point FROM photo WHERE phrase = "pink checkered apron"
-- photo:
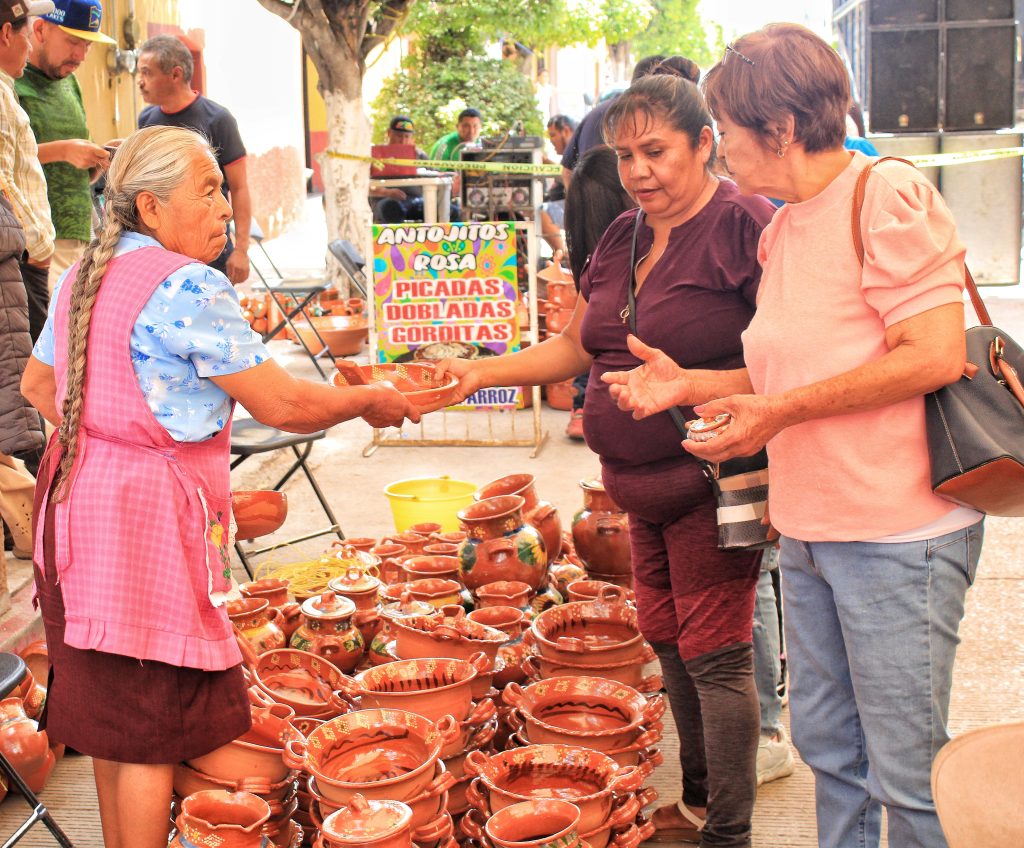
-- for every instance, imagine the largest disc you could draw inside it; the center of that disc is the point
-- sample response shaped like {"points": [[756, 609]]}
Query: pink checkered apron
{"points": [[142, 541]]}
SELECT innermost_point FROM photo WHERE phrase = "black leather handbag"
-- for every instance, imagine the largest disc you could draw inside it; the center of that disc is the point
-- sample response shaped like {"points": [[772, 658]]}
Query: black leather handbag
{"points": [[975, 426], [740, 485]]}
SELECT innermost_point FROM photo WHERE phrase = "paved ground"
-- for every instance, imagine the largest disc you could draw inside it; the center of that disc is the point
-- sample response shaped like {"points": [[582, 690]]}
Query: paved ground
{"points": [[989, 684]]}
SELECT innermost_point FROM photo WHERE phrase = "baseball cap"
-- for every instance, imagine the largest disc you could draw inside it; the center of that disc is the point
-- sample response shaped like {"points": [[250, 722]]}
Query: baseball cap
{"points": [[80, 18], [402, 123], [12, 11]]}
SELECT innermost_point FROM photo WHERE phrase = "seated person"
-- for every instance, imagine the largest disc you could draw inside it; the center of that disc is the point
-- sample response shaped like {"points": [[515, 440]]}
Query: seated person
{"points": [[396, 205]]}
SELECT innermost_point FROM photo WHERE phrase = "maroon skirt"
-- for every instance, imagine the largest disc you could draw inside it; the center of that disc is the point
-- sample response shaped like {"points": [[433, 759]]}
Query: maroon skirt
{"points": [[127, 710]]}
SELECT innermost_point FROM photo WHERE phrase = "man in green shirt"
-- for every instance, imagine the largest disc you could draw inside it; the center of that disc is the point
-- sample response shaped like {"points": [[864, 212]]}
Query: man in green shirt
{"points": [[467, 131], [50, 94]]}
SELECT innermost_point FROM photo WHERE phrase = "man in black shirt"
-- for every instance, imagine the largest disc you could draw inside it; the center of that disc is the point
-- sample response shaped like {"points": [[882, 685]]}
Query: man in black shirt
{"points": [[165, 81]]}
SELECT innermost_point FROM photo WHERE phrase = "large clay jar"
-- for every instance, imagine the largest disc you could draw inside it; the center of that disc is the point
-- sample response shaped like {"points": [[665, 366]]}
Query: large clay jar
{"points": [[499, 544], [601, 532], [328, 631], [541, 514], [224, 819], [252, 618], [363, 590], [25, 746]]}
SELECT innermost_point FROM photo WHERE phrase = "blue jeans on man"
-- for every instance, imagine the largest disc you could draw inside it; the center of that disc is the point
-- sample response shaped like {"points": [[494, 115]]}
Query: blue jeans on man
{"points": [[871, 636]]}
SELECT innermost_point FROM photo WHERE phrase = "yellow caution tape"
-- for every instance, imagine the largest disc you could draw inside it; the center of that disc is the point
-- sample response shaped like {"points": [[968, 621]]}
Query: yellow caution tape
{"points": [[964, 157], [444, 165]]}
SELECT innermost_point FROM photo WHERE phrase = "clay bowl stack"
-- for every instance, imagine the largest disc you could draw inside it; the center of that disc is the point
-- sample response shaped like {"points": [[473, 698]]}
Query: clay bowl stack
{"points": [[590, 639], [590, 712], [300, 680], [609, 796], [454, 636], [252, 763], [381, 754]]}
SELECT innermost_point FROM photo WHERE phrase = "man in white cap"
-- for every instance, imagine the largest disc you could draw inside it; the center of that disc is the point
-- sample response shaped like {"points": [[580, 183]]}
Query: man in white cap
{"points": [[50, 94], [21, 175]]}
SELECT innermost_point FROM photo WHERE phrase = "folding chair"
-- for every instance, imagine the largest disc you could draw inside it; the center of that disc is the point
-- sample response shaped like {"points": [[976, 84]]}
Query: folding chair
{"points": [[249, 438], [351, 262], [12, 672], [291, 295]]}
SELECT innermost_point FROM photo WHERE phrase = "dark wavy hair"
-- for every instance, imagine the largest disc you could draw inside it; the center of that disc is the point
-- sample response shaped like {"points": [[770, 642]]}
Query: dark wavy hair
{"points": [[594, 199]]}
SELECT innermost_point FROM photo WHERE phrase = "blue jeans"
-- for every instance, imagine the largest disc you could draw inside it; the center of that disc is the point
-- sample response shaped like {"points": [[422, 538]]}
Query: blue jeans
{"points": [[871, 636], [767, 653]]}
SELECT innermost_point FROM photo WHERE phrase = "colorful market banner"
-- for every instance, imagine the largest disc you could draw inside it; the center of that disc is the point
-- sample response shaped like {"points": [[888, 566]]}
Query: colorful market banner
{"points": [[447, 290]]}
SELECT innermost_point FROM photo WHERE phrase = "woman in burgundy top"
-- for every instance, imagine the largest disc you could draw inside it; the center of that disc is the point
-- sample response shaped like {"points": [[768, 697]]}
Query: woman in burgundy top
{"points": [[696, 282]]}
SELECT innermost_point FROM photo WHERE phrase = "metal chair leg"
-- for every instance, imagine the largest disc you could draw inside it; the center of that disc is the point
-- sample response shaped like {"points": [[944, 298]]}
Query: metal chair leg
{"points": [[39, 811]]}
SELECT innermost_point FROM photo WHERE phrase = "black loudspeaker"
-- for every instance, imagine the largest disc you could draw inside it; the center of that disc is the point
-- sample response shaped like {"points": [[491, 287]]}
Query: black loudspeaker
{"points": [[979, 10], [904, 82], [904, 12], [980, 81]]}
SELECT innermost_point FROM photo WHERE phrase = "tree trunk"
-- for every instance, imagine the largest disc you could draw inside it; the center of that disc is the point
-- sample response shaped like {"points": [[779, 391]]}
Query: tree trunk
{"points": [[346, 181]]}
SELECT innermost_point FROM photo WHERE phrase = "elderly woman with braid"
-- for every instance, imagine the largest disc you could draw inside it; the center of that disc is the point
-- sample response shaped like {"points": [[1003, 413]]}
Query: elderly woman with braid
{"points": [[143, 355]]}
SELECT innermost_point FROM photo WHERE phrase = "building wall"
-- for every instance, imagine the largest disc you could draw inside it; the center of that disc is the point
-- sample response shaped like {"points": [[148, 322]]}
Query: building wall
{"points": [[251, 63]]}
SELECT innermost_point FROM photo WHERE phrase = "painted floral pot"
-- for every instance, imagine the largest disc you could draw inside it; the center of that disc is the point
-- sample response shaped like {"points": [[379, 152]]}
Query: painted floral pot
{"points": [[588, 632], [541, 514], [499, 544], [436, 591], [368, 822], [358, 586], [256, 621], [456, 637], [328, 630], [505, 593], [301, 680], [600, 531], [224, 819], [362, 543], [540, 823]]}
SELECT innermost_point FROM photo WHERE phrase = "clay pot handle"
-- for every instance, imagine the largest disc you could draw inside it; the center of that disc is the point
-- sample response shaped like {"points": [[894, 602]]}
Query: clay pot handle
{"points": [[294, 754], [623, 811], [571, 643], [646, 770], [542, 512], [476, 762], [252, 784], [349, 688], [472, 824], [653, 756], [530, 665], [628, 838], [649, 684], [513, 694], [476, 793], [648, 738], [530, 637], [480, 662], [448, 729], [453, 611], [485, 734], [627, 779], [440, 830], [446, 633], [249, 656], [484, 711], [654, 710], [442, 783], [646, 830], [499, 549], [610, 526], [612, 595], [340, 703], [259, 698], [647, 654]]}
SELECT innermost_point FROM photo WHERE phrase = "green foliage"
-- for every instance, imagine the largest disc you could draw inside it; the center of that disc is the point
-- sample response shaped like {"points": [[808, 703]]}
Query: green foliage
{"points": [[677, 28], [433, 94]]}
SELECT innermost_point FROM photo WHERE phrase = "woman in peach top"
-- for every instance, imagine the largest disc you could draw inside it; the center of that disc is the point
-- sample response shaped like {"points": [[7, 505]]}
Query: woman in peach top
{"points": [[838, 358]]}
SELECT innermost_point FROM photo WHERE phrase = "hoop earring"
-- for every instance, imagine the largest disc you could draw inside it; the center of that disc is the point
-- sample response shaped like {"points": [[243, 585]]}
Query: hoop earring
{"points": [[781, 150]]}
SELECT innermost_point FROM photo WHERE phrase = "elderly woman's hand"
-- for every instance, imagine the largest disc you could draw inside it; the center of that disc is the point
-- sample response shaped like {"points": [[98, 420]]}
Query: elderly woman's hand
{"points": [[388, 407], [652, 387], [755, 420]]}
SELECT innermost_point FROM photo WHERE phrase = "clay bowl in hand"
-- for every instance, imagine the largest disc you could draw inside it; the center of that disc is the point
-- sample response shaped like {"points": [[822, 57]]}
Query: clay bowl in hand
{"points": [[457, 637], [589, 632], [417, 382], [258, 512], [630, 672], [303, 681], [433, 688], [588, 711], [380, 753], [343, 334], [591, 780]]}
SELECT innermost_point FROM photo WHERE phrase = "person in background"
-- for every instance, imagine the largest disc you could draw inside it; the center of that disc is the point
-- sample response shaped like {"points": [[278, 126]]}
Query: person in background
{"points": [[165, 80], [875, 565], [21, 174], [50, 94], [467, 130], [142, 359], [560, 129], [399, 204], [697, 277], [855, 139]]}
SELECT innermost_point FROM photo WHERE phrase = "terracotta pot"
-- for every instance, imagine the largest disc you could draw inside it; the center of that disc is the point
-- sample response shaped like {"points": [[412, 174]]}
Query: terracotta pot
{"points": [[587, 711], [32, 693], [558, 318], [358, 586], [592, 781], [224, 819], [541, 514], [564, 572], [413, 542], [540, 823], [623, 580], [368, 822], [453, 537], [257, 623], [504, 593], [258, 512], [630, 671], [274, 590], [455, 637], [442, 549], [499, 544], [425, 528], [301, 680], [422, 567], [361, 543], [37, 660], [378, 651], [563, 293], [327, 630], [344, 335], [592, 590], [188, 780], [256, 753], [381, 754], [601, 531], [588, 632], [418, 381], [432, 688], [512, 622], [26, 747], [559, 395], [436, 591], [391, 555]]}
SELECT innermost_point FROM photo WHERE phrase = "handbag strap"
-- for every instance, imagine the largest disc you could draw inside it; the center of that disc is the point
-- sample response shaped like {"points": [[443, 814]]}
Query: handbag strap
{"points": [[673, 411], [858, 237]]}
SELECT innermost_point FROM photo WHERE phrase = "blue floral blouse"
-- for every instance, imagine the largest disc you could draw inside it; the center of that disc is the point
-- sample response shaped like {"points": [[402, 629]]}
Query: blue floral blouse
{"points": [[190, 329]]}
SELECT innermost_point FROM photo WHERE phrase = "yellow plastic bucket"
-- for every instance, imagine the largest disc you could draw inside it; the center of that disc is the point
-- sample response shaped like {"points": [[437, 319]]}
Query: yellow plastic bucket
{"points": [[436, 499]]}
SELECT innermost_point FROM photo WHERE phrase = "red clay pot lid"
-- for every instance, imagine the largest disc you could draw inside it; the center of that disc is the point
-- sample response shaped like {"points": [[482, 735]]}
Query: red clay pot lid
{"points": [[363, 820], [328, 606]]}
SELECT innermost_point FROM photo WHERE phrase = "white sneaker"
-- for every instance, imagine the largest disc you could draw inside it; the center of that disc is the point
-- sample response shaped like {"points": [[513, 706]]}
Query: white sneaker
{"points": [[774, 757]]}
